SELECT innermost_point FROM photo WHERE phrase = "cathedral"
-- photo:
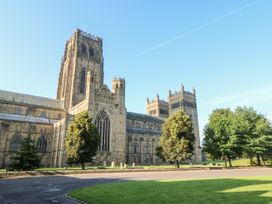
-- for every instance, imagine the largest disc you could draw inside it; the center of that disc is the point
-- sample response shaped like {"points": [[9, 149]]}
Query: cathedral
{"points": [[126, 137]]}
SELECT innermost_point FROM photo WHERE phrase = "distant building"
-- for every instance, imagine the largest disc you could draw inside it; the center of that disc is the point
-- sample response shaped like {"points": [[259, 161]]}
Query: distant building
{"points": [[125, 137]]}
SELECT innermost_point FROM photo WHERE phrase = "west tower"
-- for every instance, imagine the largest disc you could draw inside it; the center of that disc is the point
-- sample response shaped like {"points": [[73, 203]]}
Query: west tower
{"points": [[179, 100]]}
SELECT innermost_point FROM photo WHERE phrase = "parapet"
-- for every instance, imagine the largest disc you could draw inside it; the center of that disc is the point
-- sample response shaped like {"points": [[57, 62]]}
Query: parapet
{"points": [[88, 35], [118, 79], [182, 91]]}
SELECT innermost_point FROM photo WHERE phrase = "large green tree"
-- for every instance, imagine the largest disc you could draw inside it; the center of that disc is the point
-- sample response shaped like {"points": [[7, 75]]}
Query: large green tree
{"points": [[229, 135], [26, 158], [257, 133], [82, 140], [177, 141], [221, 141]]}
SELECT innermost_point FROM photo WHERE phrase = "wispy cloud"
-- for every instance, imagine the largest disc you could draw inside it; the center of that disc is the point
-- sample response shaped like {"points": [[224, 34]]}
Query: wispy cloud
{"points": [[232, 12], [248, 97]]}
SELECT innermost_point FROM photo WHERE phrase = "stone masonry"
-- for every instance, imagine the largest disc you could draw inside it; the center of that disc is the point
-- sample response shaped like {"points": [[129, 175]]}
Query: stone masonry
{"points": [[126, 137]]}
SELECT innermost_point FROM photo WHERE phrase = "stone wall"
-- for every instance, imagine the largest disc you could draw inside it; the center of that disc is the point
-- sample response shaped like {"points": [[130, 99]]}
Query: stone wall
{"points": [[9, 129], [143, 134]]}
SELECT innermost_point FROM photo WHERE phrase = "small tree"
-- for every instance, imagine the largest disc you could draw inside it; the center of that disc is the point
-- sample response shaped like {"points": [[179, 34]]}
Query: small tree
{"points": [[26, 157], [82, 140], [211, 144], [177, 141]]}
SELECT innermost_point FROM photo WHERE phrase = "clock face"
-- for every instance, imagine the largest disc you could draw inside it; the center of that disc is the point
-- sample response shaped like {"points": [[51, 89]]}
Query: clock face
{"points": [[91, 51]]}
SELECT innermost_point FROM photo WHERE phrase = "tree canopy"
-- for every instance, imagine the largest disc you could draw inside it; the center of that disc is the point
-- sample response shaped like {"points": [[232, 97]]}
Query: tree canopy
{"points": [[220, 140], [82, 140], [244, 132], [177, 141]]}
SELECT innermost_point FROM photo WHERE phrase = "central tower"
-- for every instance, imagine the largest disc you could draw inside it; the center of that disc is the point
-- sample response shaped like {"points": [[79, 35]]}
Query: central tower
{"points": [[83, 54], [81, 87]]}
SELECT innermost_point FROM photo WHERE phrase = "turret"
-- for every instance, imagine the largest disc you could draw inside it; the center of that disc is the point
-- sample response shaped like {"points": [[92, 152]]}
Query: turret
{"points": [[157, 97], [194, 91], [169, 93], [182, 88], [119, 88], [147, 100]]}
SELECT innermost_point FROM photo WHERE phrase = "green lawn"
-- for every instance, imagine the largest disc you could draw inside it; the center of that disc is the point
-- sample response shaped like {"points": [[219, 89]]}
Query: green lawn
{"points": [[209, 163], [236, 162], [235, 190]]}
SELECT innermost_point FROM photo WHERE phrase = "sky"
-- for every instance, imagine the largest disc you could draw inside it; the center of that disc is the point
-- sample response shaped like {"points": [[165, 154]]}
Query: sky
{"points": [[222, 48]]}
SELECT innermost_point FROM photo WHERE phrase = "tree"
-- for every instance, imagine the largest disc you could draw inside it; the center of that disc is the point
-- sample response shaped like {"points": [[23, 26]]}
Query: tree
{"points": [[263, 143], [257, 131], [26, 158], [177, 141], [220, 139], [82, 140], [211, 144]]}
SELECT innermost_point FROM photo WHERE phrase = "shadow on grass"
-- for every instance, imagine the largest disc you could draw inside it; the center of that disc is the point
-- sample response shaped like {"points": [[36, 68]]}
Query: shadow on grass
{"points": [[188, 191]]}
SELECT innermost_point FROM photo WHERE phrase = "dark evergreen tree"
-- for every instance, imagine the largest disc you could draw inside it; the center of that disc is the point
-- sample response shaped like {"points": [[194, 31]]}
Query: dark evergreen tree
{"points": [[26, 158]]}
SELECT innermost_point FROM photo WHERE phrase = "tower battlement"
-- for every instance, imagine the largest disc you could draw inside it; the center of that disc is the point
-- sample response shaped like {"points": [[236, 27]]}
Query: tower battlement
{"points": [[182, 91], [88, 35]]}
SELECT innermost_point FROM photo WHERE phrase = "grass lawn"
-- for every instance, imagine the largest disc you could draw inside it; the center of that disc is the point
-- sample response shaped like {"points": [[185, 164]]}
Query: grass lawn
{"points": [[235, 190], [209, 163], [236, 162]]}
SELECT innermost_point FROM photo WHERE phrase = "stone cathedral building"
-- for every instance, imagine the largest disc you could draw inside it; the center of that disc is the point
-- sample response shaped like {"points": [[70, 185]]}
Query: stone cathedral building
{"points": [[125, 136]]}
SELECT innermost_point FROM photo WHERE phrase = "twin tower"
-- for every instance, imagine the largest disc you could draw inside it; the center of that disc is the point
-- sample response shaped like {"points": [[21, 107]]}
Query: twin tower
{"points": [[179, 100]]}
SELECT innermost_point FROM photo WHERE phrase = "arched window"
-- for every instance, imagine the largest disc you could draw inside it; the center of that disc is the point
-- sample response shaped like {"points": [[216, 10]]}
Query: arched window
{"points": [[102, 122], [83, 48], [147, 148], [91, 51], [42, 144], [135, 148], [15, 142], [82, 80]]}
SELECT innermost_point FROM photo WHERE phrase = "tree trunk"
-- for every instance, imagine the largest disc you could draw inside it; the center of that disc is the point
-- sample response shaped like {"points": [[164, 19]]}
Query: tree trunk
{"points": [[225, 162], [229, 162], [177, 163], [82, 166], [258, 160], [251, 161]]}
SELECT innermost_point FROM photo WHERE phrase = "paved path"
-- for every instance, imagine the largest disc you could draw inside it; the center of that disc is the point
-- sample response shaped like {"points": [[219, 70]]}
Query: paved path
{"points": [[51, 189]]}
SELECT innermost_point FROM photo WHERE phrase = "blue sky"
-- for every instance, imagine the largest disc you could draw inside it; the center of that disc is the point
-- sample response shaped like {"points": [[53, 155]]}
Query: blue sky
{"points": [[221, 47]]}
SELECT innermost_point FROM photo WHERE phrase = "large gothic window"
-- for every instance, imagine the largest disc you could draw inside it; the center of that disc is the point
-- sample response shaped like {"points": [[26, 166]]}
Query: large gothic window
{"points": [[102, 123], [15, 142], [42, 144], [82, 80]]}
